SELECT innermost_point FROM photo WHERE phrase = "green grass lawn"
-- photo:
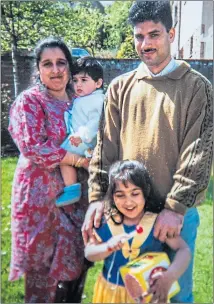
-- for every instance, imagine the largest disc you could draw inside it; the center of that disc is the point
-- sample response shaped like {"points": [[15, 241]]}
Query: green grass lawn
{"points": [[12, 292]]}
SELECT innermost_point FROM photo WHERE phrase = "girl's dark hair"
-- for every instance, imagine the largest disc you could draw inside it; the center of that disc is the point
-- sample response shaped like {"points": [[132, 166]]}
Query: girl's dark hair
{"points": [[90, 66], [53, 42], [156, 11], [136, 173]]}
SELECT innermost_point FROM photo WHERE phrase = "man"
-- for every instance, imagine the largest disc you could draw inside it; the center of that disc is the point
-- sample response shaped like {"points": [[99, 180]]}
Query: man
{"points": [[161, 114]]}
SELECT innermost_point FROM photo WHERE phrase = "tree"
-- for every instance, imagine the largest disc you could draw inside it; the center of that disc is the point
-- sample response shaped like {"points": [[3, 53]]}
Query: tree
{"points": [[84, 26], [22, 26], [127, 49], [26, 22], [116, 23]]}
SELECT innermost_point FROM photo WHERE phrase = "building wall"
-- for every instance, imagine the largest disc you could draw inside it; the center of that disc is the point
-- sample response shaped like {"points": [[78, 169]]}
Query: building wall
{"points": [[207, 20], [191, 16], [112, 69], [191, 20]]}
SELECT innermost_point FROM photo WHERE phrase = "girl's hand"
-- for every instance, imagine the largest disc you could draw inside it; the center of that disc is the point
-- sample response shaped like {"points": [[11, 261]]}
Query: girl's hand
{"points": [[116, 242], [160, 284]]}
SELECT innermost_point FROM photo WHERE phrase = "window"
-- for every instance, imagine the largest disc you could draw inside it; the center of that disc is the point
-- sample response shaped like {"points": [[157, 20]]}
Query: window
{"points": [[175, 15], [202, 49], [181, 53], [191, 46], [203, 29]]}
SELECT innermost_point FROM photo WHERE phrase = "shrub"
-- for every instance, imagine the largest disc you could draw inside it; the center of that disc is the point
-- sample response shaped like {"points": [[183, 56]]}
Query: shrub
{"points": [[127, 49]]}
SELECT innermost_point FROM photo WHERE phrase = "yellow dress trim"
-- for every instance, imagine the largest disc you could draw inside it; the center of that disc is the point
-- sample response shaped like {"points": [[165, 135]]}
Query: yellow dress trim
{"points": [[132, 252], [106, 292]]}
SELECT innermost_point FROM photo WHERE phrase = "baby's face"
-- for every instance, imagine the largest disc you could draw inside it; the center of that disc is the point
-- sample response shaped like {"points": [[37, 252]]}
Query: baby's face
{"points": [[84, 84]]}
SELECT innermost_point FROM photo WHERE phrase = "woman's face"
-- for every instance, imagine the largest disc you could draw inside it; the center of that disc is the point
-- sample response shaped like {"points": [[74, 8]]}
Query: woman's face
{"points": [[54, 69]]}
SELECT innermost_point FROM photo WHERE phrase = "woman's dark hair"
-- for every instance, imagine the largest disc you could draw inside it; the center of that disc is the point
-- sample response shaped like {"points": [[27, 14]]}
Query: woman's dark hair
{"points": [[136, 173], [90, 66], [53, 42], [156, 11]]}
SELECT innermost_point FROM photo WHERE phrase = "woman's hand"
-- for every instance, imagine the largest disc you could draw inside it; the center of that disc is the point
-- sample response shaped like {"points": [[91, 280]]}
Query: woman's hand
{"points": [[75, 160], [85, 163], [160, 284]]}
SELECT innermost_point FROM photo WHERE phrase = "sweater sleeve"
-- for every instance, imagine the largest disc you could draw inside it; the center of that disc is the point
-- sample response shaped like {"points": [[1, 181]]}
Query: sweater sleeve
{"points": [[27, 128], [107, 148], [194, 164]]}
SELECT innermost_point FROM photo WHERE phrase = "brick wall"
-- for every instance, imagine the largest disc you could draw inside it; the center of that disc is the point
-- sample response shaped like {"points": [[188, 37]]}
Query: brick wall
{"points": [[112, 68]]}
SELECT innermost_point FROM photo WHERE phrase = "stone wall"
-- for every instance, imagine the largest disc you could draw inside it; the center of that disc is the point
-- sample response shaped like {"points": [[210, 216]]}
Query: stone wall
{"points": [[112, 69]]}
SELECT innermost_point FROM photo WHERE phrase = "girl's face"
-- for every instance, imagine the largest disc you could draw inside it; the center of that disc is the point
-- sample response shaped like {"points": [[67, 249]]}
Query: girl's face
{"points": [[54, 69], [130, 201]]}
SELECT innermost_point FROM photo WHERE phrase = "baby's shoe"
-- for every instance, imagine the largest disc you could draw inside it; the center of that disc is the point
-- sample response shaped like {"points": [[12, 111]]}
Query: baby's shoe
{"points": [[70, 195]]}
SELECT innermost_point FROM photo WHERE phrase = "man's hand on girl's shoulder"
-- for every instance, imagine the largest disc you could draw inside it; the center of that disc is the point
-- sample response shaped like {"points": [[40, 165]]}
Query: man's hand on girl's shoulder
{"points": [[168, 224], [92, 219]]}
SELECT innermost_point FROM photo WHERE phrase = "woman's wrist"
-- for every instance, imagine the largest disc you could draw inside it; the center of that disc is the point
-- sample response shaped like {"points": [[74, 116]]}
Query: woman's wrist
{"points": [[69, 159], [75, 160]]}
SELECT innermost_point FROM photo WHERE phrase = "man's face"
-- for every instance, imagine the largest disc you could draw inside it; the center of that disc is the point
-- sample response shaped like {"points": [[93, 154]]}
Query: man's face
{"points": [[152, 43]]}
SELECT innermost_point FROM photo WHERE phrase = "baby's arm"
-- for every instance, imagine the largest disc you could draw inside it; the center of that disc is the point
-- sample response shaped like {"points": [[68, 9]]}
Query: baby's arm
{"points": [[97, 251], [161, 283]]}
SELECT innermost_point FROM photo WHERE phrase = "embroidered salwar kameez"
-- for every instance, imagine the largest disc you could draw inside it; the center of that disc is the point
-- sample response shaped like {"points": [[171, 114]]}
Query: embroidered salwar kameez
{"points": [[47, 244]]}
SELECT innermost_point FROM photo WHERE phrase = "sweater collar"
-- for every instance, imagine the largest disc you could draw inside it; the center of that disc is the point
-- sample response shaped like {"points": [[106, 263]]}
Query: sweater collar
{"points": [[183, 68], [98, 91]]}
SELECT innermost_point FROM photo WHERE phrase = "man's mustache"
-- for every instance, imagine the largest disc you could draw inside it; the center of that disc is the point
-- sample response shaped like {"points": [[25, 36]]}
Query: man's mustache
{"points": [[148, 50]]}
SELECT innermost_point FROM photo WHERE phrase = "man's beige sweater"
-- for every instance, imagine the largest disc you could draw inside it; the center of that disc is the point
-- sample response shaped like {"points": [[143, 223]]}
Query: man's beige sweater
{"points": [[166, 122]]}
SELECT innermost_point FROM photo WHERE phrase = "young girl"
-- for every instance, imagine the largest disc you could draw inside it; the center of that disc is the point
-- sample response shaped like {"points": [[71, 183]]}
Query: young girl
{"points": [[131, 202]]}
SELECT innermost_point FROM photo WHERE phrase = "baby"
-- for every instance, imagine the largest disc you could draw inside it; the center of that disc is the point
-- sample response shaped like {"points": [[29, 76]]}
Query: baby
{"points": [[82, 123]]}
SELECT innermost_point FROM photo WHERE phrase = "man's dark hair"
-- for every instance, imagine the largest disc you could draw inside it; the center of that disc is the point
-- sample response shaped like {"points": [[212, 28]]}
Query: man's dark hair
{"points": [[156, 11], [90, 66]]}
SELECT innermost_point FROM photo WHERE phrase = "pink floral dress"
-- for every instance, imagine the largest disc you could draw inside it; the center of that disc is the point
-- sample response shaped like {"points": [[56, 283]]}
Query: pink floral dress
{"points": [[43, 235]]}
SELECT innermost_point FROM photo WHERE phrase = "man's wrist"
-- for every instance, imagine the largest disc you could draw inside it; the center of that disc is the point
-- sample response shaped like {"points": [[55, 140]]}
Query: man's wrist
{"points": [[96, 201], [96, 196], [175, 206]]}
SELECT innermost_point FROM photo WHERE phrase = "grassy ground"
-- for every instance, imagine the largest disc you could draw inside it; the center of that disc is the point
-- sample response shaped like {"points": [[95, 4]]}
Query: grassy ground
{"points": [[12, 292]]}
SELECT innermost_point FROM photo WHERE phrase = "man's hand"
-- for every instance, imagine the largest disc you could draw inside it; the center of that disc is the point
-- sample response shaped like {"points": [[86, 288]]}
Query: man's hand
{"points": [[75, 140], [92, 219], [168, 224]]}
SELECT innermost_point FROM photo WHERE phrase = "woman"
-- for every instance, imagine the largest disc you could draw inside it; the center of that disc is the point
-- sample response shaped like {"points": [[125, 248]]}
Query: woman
{"points": [[47, 245]]}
